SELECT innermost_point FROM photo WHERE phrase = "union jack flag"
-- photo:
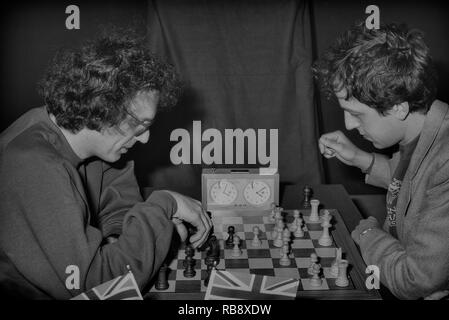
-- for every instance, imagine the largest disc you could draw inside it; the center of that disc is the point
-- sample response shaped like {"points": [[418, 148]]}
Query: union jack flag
{"points": [[226, 285], [121, 288]]}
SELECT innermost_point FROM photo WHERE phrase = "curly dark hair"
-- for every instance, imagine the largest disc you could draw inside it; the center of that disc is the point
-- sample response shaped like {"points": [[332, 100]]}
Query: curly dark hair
{"points": [[380, 68], [91, 86]]}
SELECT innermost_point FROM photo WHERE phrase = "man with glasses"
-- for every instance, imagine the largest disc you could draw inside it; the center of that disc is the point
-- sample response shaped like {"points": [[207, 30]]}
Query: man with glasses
{"points": [[65, 199]]}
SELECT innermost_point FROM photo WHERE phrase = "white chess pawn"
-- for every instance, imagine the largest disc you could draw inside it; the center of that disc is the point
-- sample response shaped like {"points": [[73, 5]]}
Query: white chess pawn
{"points": [[236, 252], [314, 216], [278, 242], [256, 241], [342, 279], [325, 240], [278, 213], [277, 229], [336, 262], [316, 280], [293, 225], [299, 233], [313, 261], [285, 260]]}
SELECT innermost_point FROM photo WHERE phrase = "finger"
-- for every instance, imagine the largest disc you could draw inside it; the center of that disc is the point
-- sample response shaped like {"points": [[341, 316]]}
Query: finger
{"points": [[182, 231], [321, 147], [201, 228]]}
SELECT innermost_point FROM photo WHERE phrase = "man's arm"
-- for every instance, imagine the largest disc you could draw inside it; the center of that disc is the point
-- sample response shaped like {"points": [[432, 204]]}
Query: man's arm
{"points": [[382, 170], [45, 228], [418, 267]]}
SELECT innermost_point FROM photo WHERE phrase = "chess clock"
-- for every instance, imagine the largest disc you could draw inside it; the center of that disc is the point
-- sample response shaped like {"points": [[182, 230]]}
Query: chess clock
{"points": [[239, 189]]}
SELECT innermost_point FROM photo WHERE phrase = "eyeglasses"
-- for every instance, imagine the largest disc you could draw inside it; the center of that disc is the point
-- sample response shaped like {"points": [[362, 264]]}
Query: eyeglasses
{"points": [[145, 124]]}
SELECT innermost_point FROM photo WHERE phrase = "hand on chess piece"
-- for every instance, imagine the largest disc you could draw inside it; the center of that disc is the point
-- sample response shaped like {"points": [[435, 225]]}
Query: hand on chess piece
{"points": [[191, 211], [336, 144]]}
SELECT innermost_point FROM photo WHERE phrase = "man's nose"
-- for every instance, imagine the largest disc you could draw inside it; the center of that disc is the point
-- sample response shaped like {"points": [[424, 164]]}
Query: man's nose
{"points": [[350, 121], [144, 137]]}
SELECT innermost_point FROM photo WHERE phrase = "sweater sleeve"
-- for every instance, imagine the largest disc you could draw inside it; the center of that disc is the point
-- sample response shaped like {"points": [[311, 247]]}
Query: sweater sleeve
{"points": [[418, 266], [45, 228], [119, 192], [382, 170]]}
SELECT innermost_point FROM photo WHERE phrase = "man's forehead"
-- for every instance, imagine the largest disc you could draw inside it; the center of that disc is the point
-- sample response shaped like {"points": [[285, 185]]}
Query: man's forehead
{"points": [[145, 103]]}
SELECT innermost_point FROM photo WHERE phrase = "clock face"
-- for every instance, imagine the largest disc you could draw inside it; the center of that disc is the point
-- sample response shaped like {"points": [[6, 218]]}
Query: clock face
{"points": [[223, 192], [257, 192]]}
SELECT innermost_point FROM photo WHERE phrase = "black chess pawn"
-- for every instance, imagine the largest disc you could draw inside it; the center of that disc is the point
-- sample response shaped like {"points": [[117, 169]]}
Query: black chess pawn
{"points": [[308, 192], [189, 262], [162, 282], [209, 261], [230, 240]]}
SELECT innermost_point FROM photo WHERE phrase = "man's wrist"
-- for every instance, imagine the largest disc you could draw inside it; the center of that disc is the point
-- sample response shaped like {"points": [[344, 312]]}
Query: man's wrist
{"points": [[368, 163]]}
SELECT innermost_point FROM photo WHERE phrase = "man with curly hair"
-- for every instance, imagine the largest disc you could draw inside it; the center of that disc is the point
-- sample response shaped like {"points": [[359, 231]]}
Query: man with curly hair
{"points": [[65, 200], [385, 83]]}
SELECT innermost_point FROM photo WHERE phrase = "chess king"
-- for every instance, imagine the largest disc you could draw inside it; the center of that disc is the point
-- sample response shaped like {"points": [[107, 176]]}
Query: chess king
{"points": [[385, 83]]}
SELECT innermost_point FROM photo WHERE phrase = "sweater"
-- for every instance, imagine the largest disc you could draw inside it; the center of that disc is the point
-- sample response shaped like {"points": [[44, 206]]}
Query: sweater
{"points": [[56, 211]]}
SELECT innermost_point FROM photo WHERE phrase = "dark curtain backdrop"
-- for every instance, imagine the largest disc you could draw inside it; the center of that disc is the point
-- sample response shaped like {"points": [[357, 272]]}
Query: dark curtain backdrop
{"points": [[246, 64]]}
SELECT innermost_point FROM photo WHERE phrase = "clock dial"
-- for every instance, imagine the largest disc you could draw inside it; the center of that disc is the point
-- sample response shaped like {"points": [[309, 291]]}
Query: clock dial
{"points": [[257, 192], [223, 192]]}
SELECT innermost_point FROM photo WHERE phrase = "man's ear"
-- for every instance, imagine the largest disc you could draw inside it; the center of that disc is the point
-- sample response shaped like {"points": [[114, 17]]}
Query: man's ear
{"points": [[401, 110]]}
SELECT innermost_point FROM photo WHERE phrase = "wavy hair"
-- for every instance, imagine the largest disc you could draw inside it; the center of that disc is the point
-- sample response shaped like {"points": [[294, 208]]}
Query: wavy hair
{"points": [[91, 86], [380, 68]]}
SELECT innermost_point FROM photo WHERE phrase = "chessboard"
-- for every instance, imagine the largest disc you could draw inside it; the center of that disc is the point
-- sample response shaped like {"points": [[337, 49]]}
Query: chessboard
{"points": [[265, 258]]}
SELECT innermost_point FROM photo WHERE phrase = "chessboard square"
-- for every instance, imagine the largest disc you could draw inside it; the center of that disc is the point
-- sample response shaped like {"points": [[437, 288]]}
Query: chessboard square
{"points": [[299, 243], [307, 286], [204, 254], [263, 272], [302, 262], [228, 254], [173, 264], [250, 236], [171, 287], [253, 220], [180, 275], [269, 228], [275, 252], [260, 263], [263, 245], [315, 235], [304, 272], [327, 261], [259, 253], [325, 252], [171, 273], [303, 252], [276, 264], [250, 228], [333, 286], [236, 264], [190, 285], [287, 272]]}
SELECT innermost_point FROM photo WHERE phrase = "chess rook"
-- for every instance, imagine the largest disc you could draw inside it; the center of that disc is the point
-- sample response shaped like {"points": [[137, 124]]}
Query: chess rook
{"points": [[342, 279], [325, 240], [314, 217], [162, 282]]}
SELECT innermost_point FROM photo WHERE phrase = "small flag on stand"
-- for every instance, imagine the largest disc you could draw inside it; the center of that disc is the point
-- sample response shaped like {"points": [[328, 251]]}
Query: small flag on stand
{"points": [[226, 285], [121, 288]]}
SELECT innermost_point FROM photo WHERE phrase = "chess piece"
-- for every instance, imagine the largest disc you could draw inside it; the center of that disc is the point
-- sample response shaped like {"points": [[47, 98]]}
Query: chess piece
{"points": [[316, 280], [278, 228], [325, 240], [293, 225], [307, 196], [230, 240], [189, 262], [273, 212], [342, 279], [236, 252], [256, 241], [314, 217], [278, 242], [299, 232], [335, 263], [313, 261], [278, 214], [211, 264], [162, 282], [285, 260]]}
